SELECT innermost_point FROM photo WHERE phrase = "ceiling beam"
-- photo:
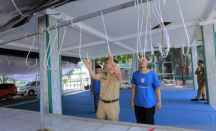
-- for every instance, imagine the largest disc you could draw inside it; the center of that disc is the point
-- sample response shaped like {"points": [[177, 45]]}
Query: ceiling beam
{"points": [[87, 29], [76, 55], [82, 18], [210, 12], [130, 36], [180, 46], [23, 54], [169, 28], [209, 16], [207, 22], [16, 44], [20, 45], [124, 53]]}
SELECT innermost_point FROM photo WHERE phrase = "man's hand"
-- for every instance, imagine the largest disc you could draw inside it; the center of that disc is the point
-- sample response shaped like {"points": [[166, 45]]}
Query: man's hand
{"points": [[158, 106], [88, 64], [132, 106], [92, 93], [110, 59]]}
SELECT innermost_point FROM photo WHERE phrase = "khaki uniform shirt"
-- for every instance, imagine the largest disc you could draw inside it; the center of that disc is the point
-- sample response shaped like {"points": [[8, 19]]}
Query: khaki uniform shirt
{"points": [[110, 86], [200, 74]]}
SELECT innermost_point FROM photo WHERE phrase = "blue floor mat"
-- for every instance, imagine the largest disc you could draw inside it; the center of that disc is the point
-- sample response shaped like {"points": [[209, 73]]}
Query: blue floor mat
{"points": [[177, 109]]}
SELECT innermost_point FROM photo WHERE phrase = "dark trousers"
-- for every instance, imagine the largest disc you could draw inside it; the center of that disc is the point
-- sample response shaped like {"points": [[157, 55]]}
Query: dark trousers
{"points": [[96, 100], [145, 115]]}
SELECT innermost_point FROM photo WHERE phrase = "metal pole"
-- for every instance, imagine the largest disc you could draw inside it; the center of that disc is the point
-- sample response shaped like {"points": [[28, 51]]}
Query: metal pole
{"points": [[82, 18], [80, 78], [37, 79], [37, 85], [42, 78]]}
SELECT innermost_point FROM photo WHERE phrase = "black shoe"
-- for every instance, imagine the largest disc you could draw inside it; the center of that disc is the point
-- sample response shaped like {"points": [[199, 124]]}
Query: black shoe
{"points": [[194, 100], [203, 99]]}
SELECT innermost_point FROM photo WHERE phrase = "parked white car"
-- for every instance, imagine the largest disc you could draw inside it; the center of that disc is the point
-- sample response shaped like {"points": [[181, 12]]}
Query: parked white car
{"points": [[30, 89]]}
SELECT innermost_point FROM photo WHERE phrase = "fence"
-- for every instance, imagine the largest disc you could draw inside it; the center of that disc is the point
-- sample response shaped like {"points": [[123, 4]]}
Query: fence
{"points": [[126, 78], [167, 77], [77, 84]]}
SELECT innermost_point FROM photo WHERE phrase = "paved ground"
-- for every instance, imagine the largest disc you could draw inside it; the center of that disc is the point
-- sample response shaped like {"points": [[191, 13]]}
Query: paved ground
{"points": [[20, 120], [177, 109], [189, 85], [17, 100], [25, 99]]}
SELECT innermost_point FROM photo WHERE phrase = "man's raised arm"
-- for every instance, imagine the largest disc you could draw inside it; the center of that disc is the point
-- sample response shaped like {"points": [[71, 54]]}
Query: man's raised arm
{"points": [[88, 65]]}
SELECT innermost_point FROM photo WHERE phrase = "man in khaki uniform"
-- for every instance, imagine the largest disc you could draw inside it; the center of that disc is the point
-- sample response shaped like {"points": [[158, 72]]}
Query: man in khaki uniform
{"points": [[201, 82], [108, 106]]}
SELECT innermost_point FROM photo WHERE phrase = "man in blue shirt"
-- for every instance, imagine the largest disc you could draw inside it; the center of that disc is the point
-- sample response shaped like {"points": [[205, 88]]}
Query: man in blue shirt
{"points": [[95, 88], [145, 93]]}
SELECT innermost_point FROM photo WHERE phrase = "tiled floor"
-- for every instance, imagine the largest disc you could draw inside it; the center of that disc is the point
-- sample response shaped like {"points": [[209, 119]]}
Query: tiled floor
{"points": [[21, 120]]}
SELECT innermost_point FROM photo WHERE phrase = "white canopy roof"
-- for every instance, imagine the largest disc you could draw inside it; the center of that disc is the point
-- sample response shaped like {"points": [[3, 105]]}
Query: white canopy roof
{"points": [[121, 26], [16, 68]]}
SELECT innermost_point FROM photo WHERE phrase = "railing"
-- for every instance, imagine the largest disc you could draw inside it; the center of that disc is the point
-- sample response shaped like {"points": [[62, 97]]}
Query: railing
{"points": [[77, 84], [126, 78], [167, 77]]}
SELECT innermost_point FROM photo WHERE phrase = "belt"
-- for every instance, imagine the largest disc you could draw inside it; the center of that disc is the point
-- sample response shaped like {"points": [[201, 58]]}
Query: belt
{"points": [[109, 101]]}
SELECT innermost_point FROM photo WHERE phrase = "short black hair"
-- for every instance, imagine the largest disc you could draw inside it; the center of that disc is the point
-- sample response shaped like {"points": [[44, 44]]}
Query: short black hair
{"points": [[114, 60], [200, 61], [98, 66]]}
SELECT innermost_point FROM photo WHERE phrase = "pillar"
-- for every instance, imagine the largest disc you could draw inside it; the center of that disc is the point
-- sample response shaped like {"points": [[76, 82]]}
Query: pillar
{"points": [[50, 79], [4, 79], [209, 50], [60, 76], [93, 65], [194, 65], [135, 65]]}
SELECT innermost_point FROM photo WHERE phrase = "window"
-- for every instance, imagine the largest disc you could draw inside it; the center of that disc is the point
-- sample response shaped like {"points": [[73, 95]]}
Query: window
{"points": [[38, 83], [200, 52], [4, 86], [32, 83], [167, 68]]}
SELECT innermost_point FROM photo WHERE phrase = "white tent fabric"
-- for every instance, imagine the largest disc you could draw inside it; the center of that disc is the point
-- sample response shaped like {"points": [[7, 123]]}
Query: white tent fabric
{"points": [[16, 68], [22, 77], [121, 26]]}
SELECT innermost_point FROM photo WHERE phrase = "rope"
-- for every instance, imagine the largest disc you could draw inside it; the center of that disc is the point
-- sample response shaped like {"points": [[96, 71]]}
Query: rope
{"points": [[160, 20], [18, 9], [47, 48], [139, 29], [30, 51], [185, 31], [135, 4], [105, 32], [53, 45], [72, 24], [139, 34], [61, 48], [81, 44], [146, 42]]}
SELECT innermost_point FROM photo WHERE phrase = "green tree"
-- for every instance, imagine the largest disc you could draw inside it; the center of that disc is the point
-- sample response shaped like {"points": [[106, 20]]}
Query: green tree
{"points": [[121, 58], [70, 73], [65, 81], [150, 65], [200, 52], [100, 61]]}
